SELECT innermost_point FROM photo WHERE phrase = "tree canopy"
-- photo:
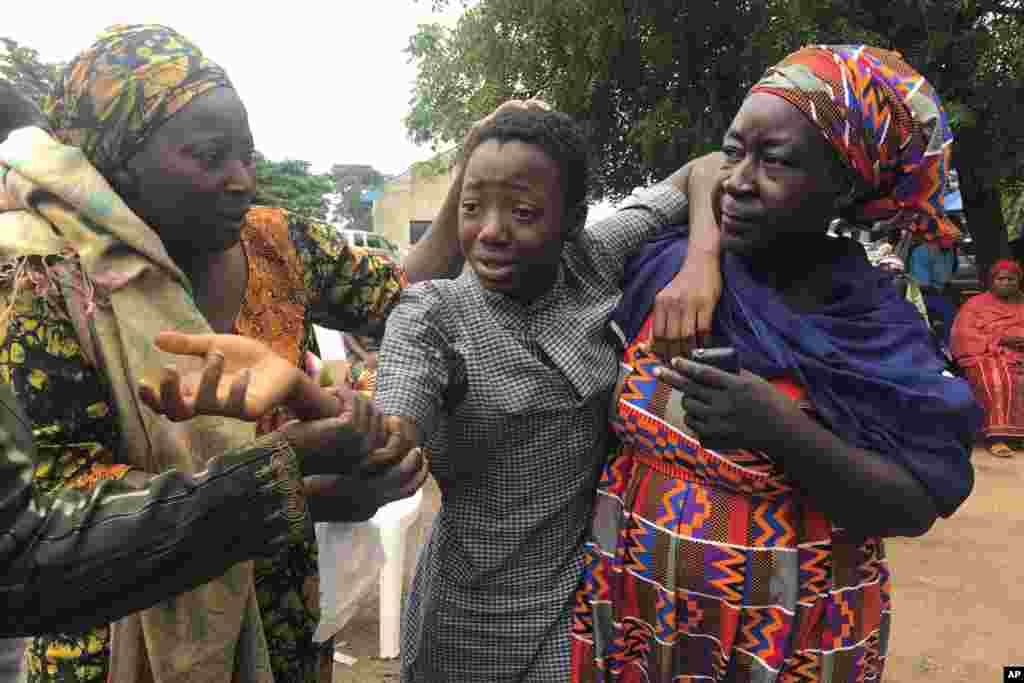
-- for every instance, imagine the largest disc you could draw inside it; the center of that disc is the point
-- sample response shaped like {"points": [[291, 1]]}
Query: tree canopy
{"points": [[289, 184], [656, 83], [22, 67]]}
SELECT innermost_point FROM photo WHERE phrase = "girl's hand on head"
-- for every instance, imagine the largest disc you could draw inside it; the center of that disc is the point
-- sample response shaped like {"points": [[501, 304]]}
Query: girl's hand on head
{"points": [[532, 104], [240, 378]]}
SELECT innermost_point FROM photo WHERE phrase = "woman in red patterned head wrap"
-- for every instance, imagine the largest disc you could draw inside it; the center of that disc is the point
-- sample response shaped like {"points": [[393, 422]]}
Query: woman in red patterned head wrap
{"points": [[738, 534], [988, 343]]}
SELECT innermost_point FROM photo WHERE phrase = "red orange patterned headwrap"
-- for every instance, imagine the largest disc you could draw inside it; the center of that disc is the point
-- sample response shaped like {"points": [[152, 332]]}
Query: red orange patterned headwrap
{"points": [[887, 124]]}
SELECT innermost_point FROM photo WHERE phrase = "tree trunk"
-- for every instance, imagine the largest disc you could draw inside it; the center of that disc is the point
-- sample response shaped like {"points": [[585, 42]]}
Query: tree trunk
{"points": [[984, 220]]}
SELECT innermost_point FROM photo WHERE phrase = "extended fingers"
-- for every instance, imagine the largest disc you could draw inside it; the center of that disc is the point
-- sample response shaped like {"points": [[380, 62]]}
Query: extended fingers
{"points": [[665, 326], [394, 450], [182, 344], [375, 432], [703, 374], [688, 388], [402, 479], [175, 400], [402, 436], [209, 381]]}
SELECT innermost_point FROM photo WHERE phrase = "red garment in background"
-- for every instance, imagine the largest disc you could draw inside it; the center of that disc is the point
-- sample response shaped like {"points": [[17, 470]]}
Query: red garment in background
{"points": [[994, 371]]}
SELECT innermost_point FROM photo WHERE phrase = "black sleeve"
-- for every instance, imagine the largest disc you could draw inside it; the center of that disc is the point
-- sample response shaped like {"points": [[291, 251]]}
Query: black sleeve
{"points": [[74, 561]]}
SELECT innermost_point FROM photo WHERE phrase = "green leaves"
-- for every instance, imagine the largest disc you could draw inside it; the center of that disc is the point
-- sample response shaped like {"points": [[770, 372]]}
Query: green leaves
{"points": [[290, 185], [22, 67], [658, 82]]}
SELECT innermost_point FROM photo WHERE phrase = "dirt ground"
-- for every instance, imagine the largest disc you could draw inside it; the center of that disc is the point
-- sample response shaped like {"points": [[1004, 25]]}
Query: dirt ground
{"points": [[958, 600]]}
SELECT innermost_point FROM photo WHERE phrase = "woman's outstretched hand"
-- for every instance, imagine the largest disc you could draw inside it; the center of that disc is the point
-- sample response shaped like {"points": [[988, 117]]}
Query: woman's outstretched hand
{"points": [[341, 432], [240, 378]]}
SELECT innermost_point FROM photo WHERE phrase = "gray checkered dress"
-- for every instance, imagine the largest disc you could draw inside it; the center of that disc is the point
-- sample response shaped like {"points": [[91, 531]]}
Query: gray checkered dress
{"points": [[515, 400]]}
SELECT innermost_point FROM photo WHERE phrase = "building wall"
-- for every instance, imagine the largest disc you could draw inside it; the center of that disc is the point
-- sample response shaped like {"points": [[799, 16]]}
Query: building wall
{"points": [[408, 199]]}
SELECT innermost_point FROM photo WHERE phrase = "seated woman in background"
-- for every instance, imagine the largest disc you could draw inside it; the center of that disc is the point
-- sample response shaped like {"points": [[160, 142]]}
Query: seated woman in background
{"points": [[762, 560], [988, 343]]}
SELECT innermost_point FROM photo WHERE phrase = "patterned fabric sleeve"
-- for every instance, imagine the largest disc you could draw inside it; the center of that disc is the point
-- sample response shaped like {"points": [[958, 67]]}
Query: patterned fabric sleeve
{"points": [[68, 522], [348, 288], [67, 403], [418, 366], [646, 212]]}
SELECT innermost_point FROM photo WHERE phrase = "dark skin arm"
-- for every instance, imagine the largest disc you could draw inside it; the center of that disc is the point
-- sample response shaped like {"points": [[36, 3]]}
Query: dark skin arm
{"points": [[683, 311], [861, 492], [438, 254]]}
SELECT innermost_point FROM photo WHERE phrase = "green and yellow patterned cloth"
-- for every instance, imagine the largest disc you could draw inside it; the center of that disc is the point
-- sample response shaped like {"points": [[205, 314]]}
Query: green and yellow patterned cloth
{"points": [[109, 100], [73, 252], [300, 272], [125, 86]]}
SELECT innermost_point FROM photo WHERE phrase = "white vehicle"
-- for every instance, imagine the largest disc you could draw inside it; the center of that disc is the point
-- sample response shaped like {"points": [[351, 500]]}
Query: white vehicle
{"points": [[376, 244]]}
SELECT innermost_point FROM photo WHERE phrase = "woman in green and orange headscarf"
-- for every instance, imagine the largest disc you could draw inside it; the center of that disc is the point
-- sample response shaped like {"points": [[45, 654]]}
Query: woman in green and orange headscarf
{"points": [[737, 536], [165, 128]]}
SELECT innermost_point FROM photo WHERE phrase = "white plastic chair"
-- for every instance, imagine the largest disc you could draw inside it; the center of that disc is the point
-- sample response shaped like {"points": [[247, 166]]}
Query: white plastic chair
{"points": [[393, 520]]}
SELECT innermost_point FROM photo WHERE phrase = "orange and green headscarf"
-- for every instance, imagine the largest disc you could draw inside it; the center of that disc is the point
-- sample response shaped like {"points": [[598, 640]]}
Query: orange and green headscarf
{"points": [[887, 124], [130, 82]]}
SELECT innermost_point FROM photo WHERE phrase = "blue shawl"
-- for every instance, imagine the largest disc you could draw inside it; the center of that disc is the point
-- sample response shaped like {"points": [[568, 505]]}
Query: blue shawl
{"points": [[865, 358]]}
